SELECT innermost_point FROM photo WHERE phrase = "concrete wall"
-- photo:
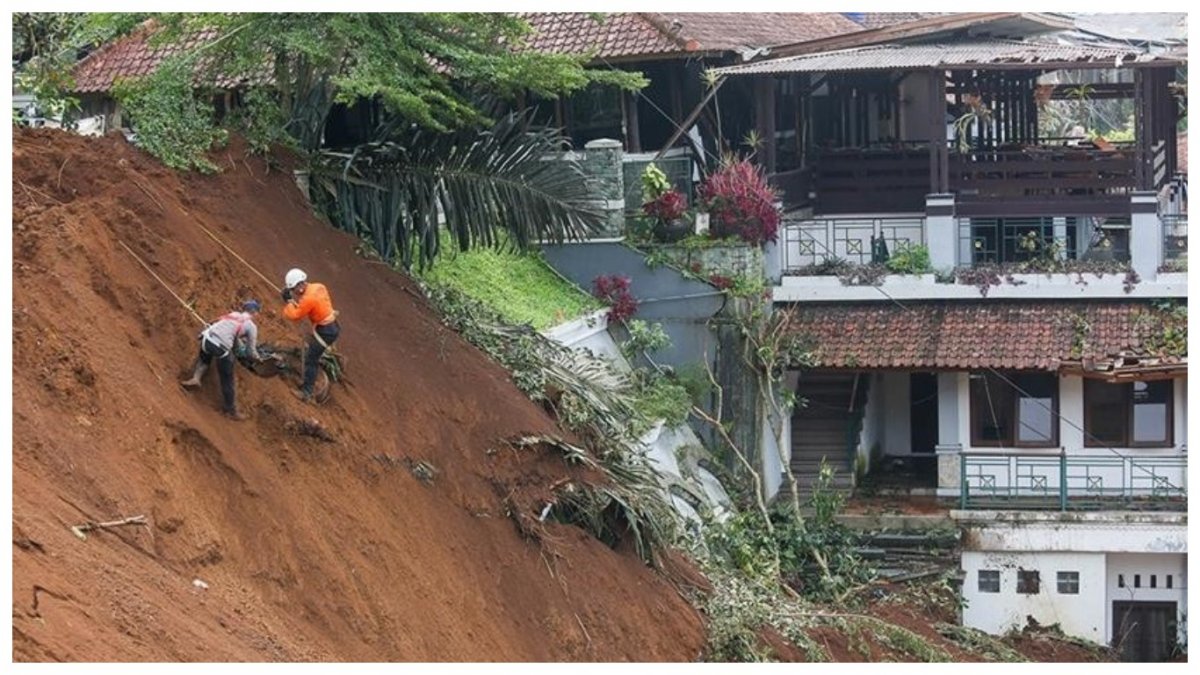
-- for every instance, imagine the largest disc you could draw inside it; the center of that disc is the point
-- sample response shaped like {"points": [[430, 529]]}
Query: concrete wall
{"points": [[683, 306], [1098, 545], [1144, 565], [1081, 615]]}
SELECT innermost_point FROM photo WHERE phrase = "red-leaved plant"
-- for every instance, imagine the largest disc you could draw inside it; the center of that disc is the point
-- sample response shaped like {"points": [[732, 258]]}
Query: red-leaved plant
{"points": [[614, 291], [667, 207], [741, 203]]}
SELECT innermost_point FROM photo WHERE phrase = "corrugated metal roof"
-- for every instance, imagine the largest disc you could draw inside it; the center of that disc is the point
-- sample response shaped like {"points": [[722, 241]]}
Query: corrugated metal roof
{"points": [[949, 56]]}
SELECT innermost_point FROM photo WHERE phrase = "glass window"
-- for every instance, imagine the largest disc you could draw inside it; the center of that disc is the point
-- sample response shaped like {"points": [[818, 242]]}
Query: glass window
{"points": [[1151, 417], [989, 581], [1029, 582], [1128, 414], [1068, 583], [1015, 409]]}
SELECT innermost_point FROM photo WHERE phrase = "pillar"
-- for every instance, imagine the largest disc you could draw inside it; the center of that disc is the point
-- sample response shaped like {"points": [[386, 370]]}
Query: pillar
{"points": [[603, 161], [941, 231], [1145, 235], [949, 445]]}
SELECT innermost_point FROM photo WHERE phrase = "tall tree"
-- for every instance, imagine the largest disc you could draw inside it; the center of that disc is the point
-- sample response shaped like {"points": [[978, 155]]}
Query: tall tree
{"points": [[423, 67]]}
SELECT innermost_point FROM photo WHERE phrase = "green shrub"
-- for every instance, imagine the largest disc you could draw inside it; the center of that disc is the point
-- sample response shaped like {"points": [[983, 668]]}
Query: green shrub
{"points": [[171, 122], [910, 259]]}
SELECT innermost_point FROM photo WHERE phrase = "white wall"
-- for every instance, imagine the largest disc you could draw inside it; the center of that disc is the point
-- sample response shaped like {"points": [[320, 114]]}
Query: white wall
{"points": [[1081, 615], [1145, 565], [897, 428], [874, 416]]}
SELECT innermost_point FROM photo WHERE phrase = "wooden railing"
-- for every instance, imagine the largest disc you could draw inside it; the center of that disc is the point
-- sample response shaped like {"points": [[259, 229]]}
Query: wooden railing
{"points": [[794, 186], [1075, 172], [871, 181]]}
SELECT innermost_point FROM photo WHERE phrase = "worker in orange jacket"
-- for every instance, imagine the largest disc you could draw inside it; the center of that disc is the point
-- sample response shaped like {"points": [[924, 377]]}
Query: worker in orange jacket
{"points": [[304, 300]]}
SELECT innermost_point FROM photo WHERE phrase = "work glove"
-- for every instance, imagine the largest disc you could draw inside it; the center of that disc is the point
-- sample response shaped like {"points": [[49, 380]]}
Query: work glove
{"points": [[286, 294]]}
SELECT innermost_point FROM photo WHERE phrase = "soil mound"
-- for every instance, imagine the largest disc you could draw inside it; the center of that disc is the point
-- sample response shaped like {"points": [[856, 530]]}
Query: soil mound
{"points": [[265, 542]]}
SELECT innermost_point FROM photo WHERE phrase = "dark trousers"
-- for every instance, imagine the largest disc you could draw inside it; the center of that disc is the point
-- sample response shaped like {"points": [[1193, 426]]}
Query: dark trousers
{"points": [[312, 357], [210, 350]]}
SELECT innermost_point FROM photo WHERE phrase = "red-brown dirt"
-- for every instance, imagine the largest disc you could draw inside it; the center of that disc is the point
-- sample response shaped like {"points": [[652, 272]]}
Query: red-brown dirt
{"points": [[311, 550]]}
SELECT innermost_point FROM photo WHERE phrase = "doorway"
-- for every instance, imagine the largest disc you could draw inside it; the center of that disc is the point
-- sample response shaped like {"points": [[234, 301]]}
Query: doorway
{"points": [[923, 427], [1144, 632]]}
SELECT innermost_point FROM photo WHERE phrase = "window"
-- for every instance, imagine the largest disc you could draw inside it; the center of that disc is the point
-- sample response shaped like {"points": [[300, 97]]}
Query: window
{"points": [[1068, 583], [1120, 581], [989, 581], [1137, 581], [1133, 414], [1024, 415], [1028, 582]]}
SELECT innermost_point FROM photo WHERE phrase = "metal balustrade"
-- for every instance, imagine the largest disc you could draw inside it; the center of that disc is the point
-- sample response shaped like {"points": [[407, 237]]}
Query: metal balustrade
{"points": [[1072, 482], [816, 241]]}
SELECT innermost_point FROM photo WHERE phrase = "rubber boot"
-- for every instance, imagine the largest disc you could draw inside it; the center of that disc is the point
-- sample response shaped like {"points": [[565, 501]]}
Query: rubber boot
{"points": [[196, 375]]}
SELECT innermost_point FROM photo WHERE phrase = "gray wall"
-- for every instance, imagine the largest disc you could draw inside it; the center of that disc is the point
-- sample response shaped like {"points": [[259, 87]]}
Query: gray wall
{"points": [[683, 306]]}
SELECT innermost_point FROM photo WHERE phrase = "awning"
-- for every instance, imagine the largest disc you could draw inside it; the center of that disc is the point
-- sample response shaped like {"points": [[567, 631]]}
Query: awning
{"points": [[1046, 335]]}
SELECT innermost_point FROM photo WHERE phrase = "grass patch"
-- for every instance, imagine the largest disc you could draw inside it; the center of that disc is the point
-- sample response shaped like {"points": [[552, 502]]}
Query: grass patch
{"points": [[520, 287]]}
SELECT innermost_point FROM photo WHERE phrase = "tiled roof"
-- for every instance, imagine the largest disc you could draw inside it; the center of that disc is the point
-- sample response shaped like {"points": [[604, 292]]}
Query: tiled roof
{"points": [[881, 19], [726, 31], [131, 57], [627, 34], [609, 35], [1022, 335]]}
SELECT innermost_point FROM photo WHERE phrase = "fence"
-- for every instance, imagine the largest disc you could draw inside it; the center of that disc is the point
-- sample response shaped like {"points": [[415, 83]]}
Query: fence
{"points": [[816, 241], [1067, 481], [1174, 236]]}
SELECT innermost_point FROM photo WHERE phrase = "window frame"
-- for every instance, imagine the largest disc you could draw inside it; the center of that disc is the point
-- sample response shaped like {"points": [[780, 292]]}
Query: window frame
{"points": [[1023, 582], [978, 411], [979, 581], [1127, 397], [1060, 580]]}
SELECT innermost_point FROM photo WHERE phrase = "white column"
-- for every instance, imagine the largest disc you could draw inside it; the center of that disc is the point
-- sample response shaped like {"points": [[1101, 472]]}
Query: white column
{"points": [[949, 443], [1070, 407], [1145, 235], [1181, 413], [941, 231], [1060, 236]]}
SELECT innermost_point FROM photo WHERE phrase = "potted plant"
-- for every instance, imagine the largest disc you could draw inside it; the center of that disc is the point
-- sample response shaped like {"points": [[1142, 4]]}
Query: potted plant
{"points": [[740, 203], [664, 205]]}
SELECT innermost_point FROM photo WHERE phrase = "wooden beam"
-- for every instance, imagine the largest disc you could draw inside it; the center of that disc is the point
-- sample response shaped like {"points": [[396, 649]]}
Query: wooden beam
{"points": [[764, 119], [682, 128], [633, 135]]}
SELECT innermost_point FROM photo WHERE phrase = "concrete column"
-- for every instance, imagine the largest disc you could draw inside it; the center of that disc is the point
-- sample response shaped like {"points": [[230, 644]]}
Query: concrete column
{"points": [[1070, 407], [603, 160], [941, 231], [949, 442], [1145, 235], [1060, 236]]}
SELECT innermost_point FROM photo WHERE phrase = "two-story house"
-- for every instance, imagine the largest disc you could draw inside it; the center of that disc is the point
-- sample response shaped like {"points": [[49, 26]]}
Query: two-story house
{"points": [[1035, 369]]}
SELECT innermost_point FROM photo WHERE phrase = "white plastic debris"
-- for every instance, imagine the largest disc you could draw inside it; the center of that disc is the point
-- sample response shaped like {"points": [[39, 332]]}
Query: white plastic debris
{"points": [[198, 583]]}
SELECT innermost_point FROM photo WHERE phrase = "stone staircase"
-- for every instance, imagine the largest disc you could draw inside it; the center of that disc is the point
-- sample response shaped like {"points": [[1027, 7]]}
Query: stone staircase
{"points": [[821, 425]]}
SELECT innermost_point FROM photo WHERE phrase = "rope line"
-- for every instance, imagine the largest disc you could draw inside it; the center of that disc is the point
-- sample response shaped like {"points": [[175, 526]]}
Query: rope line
{"points": [[164, 284]]}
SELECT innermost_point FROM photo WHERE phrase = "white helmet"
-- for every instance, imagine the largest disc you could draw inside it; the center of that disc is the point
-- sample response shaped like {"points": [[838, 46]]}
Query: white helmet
{"points": [[294, 276]]}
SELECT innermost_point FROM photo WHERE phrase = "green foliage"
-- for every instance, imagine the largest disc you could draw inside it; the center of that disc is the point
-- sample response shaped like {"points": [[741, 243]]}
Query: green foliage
{"points": [[654, 183], [910, 259], [979, 642], [659, 397], [424, 68], [485, 185], [519, 287], [644, 338], [260, 121], [171, 122], [747, 545]]}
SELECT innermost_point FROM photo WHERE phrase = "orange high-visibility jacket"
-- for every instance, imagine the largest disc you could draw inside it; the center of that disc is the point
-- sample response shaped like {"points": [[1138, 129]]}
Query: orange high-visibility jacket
{"points": [[314, 304]]}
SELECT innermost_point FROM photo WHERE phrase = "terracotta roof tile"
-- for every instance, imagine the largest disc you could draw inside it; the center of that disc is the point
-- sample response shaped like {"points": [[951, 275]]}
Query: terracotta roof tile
{"points": [[131, 57], [1019, 335], [628, 34]]}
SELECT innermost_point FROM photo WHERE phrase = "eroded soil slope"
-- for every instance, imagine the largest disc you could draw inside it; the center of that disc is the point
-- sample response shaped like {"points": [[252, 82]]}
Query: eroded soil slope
{"points": [[310, 549]]}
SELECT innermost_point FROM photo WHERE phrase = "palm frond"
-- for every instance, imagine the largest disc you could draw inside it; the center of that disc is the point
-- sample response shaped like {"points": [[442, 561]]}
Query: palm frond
{"points": [[506, 185]]}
